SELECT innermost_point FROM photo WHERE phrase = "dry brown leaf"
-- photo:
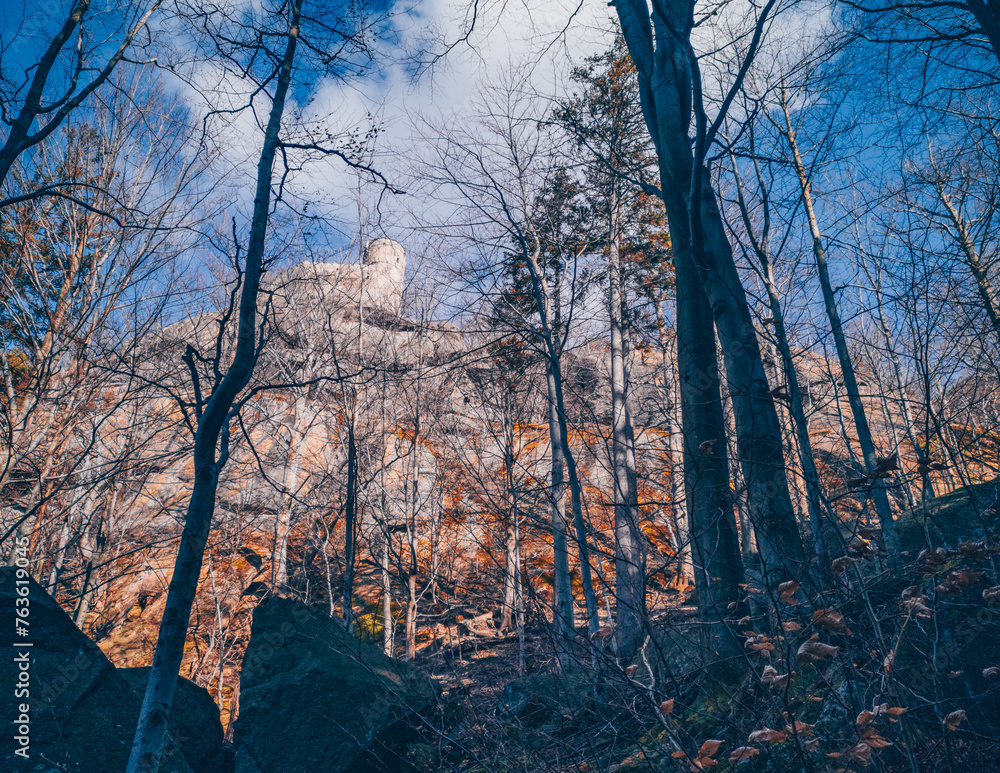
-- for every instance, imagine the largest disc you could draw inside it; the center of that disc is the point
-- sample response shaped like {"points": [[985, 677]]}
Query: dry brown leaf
{"points": [[768, 674], [955, 674], [842, 564], [895, 710], [874, 740], [767, 735], [601, 633], [811, 745], [814, 650], [830, 620], [710, 747], [742, 754], [631, 669], [992, 594], [862, 752], [916, 606], [865, 718], [860, 547], [800, 729], [667, 707], [991, 673], [790, 626], [953, 720]]}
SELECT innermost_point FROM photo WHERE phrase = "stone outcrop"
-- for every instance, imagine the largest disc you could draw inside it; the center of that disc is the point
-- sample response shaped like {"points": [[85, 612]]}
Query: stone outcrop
{"points": [[194, 723], [315, 699], [82, 712], [316, 287]]}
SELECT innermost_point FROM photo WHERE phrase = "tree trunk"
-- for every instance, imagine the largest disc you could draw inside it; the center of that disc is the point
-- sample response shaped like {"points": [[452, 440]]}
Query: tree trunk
{"points": [[350, 522], [890, 534], [213, 424], [715, 544], [671, 397], [387, 626], [703, 255], [927, 491], [282, 522], [630, 553], [562, 599]]}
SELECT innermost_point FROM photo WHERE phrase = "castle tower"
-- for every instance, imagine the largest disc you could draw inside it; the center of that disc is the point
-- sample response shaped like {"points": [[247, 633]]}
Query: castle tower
{"points": [[384, 268]]}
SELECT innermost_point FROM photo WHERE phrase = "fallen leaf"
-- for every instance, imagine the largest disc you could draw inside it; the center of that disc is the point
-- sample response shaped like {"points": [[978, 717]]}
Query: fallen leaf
{"points": [[800, 728], [842, 564], [814, 650], [742, 754], [710, 747], [991, 673], [767, 735], [601, 633], [830, 620], [667, 707], [953, 720], [862, 752], [860, 547]]}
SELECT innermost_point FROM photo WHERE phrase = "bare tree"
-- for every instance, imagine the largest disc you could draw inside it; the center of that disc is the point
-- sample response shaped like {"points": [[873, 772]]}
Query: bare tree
{"points": [[78, 59]]}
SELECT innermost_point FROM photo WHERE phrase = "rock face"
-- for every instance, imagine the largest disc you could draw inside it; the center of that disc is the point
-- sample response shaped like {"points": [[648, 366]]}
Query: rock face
{"points": [[321, 289], [194, 723], [82, 712], [313, 699]]}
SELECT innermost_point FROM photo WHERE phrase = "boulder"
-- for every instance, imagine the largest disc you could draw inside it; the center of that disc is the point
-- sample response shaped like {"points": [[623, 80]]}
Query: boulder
{"points": [[314, 699], [948, 519], [194, 722], [81, 712]]}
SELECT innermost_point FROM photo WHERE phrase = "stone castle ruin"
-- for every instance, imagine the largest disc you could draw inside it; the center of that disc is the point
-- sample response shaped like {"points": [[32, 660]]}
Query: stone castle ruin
{"points": [[375, 285]]}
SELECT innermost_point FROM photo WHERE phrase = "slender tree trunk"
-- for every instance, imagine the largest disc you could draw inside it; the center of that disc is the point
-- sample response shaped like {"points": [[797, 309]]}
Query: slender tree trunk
{"points": [[209, 454], [562, 604], [93, 548], [387, 625], [890, 534], [282, 523], [576, 503], [411, 575], [904, 404], [60, 556], [975, 264], [671, 397], [562, 454], [350, 521], [630, 553]]}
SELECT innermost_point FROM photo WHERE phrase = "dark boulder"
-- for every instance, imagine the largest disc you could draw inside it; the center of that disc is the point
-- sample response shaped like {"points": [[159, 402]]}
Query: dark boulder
{"points": [[82, 713], [194, 724], [314, 699]]}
